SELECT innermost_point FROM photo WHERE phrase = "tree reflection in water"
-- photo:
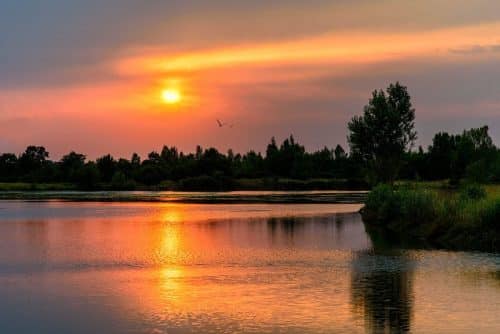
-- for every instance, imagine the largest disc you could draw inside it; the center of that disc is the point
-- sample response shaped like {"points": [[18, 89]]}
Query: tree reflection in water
{"points": [[382, 291]]}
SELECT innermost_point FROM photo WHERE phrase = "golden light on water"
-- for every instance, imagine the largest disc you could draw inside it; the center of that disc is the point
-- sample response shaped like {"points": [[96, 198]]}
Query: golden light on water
{"points": [[171, 96]]}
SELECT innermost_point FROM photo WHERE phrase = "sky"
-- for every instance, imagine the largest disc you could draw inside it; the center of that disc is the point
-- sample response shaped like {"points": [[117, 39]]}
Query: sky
{"points": [[89, 75]]}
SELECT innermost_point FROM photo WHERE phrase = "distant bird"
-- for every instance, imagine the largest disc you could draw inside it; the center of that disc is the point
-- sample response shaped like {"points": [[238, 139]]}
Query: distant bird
{"points": [[221, 124]]}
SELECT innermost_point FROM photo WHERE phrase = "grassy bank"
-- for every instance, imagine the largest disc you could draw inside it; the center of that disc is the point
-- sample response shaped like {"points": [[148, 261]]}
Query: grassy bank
{"points": [[23, 186], [468, 218], [201, 183]]}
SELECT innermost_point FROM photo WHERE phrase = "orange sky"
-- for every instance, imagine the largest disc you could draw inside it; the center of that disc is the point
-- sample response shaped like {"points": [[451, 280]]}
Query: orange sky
{"points": [[270, 70]]}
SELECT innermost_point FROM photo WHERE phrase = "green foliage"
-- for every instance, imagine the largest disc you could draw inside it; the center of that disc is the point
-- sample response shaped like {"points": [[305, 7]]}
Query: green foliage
{"points": [[384, 133], [204, 169], [477, 171], [472, 191], [386, 204], [455, 156], [467, 220]]}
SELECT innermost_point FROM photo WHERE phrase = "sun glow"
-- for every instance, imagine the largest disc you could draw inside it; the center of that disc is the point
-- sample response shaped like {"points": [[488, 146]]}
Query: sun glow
{"points": [[171, 96]]}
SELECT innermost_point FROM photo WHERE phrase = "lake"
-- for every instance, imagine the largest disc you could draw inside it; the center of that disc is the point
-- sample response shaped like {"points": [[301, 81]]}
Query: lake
{"points": [[173, 267]]}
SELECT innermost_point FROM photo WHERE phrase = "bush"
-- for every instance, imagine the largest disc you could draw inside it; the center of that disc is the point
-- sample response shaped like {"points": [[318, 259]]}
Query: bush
{"points": [[381, 205], [386, 204], [418, 206], [466, 221], [478, 171], [473, 192]]}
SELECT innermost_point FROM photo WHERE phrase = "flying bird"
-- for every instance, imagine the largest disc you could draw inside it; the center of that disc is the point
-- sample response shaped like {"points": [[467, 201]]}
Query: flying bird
{"points": [[221, 124]]}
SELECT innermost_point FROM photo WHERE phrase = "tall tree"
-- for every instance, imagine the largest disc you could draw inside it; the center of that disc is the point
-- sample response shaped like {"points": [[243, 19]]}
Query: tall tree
{"points": [[384, 133], [70, 164]]}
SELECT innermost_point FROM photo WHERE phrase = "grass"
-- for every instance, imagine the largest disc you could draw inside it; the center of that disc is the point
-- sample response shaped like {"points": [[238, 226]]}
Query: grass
{"points": [[295, 184], [468, 218], [22, 186], [200, 183]]}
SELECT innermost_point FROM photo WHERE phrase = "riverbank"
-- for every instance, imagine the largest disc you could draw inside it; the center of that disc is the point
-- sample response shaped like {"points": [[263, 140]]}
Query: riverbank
{"points": [[201, 183], [465, 219], [352, 199]]}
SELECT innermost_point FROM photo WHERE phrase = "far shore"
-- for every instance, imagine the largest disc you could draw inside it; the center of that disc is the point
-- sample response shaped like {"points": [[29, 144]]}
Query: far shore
{"points": [[262, 184], [352, 200]]}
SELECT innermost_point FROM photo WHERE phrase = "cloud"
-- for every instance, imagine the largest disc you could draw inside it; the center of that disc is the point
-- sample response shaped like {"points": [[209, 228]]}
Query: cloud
{"points": [[336, 48], [476, 49], [60, 42]]}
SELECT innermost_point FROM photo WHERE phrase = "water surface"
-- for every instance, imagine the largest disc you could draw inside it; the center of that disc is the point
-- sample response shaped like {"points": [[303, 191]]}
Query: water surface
{"points": [[91, 267]]}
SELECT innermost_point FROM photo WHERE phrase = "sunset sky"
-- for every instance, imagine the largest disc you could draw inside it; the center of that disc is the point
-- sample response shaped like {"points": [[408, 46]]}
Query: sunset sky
{"points": [[123, 76]]}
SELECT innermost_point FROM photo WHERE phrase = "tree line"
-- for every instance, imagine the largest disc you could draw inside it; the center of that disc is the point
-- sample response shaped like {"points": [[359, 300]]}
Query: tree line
{"points": [[382, 139], [381, 150], [205, 168]]}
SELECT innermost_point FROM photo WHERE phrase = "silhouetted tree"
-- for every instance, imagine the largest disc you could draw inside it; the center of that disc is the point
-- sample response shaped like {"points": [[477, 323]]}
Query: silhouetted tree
{"points": [[8, 167], [70, 164], [384, 133], [135, 160], [470, 155], [340, 153], [107, 167], [451, 155], [34, 157], [88, 177]]}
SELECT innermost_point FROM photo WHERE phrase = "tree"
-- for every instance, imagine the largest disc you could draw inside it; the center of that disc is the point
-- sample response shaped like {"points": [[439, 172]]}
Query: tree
{"points": [[88, 177], [441, 154], [340, 153], [107, 167], [384, 133], [272, 157], [34, 157], [135, 160], [8, 163], [70, 164]]}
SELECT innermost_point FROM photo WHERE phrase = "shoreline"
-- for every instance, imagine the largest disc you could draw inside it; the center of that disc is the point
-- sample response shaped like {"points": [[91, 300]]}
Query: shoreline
{"points": [[229, 197], [262, 184]]}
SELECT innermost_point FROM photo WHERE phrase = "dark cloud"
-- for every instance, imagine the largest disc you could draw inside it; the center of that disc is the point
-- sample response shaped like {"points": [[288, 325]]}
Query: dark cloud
{"points": [[42, 42]]}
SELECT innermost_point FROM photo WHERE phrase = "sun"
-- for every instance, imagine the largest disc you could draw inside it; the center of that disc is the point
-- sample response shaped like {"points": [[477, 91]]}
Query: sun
{"points": [[171, 96]]}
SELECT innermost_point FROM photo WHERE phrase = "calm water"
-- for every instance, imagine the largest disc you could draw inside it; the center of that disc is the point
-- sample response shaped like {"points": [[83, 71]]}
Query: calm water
{"points": [[227, 268]]}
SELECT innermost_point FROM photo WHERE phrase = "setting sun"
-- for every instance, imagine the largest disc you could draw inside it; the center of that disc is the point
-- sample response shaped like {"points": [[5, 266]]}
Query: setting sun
{"points": [[171, 96]]}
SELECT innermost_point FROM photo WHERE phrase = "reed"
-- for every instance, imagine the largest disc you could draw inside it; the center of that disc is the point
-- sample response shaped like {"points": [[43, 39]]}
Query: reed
{"points": [[464, 219]]}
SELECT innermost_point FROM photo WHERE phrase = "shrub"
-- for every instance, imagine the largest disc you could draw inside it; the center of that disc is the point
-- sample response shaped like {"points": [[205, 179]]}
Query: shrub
{"points": [[386, 204], [418, 206], [381, 205], [473, 192], [467, 221], [478, 171]]}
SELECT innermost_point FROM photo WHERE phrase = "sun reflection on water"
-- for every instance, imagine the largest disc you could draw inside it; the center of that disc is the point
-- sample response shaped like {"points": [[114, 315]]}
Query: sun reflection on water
{"points": [[225, 269]]}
